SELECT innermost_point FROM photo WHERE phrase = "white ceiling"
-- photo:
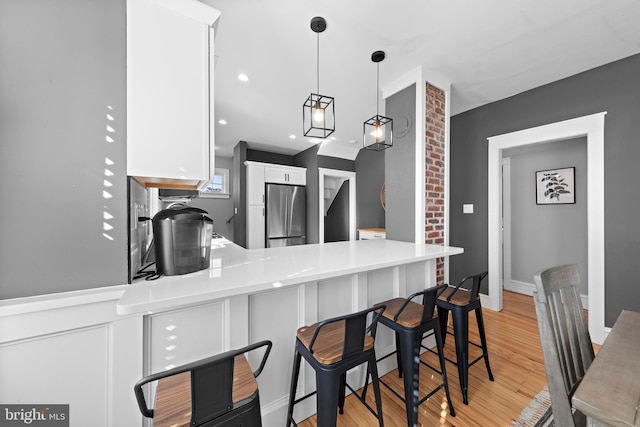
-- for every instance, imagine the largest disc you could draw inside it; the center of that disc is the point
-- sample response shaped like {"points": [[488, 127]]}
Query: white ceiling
{"points": [[488, 50]]}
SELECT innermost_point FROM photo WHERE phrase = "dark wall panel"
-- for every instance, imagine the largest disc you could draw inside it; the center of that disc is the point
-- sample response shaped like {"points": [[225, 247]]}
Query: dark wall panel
{"points": [[400, 167], [369, 179]]}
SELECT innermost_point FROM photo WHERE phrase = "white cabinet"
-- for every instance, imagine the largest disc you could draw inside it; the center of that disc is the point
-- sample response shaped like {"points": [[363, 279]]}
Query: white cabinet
{"points": [[255, 227], [255, 205], [255, 184], [285, 175], [170, 131]]}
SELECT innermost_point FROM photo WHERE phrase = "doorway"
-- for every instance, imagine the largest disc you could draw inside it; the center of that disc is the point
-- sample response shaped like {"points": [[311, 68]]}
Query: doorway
{"points": [[536, 234], [592, 127], [329, 183]]}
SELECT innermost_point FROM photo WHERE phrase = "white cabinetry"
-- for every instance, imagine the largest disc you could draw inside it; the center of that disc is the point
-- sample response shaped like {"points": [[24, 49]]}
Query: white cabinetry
{"points": [[255, 184], [255, 205], [259, 174], [170, 55], [285, 175], [255, 226]]}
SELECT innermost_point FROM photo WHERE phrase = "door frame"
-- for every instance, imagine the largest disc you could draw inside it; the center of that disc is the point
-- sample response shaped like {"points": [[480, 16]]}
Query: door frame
{"points": [[349, 176], [591, 126]]}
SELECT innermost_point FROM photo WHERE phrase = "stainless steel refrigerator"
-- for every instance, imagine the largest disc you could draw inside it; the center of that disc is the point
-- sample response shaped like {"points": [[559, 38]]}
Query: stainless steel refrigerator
{"points": [[286, 215]]}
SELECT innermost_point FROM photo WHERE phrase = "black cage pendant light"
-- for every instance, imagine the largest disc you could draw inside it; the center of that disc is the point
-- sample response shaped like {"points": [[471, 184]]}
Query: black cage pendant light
{"points": [[318, 111], [378, 130]]}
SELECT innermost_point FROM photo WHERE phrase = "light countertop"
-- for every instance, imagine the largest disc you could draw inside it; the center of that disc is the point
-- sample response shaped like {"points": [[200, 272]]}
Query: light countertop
{"points": [[238, 271]]}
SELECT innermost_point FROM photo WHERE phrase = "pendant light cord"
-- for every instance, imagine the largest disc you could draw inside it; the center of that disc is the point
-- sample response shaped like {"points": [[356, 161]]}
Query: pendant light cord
{"points": [[318, 63], [377, 88]]}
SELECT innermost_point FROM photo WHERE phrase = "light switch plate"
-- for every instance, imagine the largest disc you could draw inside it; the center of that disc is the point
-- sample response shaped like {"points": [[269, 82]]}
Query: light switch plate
{"points": [[467, 208]]}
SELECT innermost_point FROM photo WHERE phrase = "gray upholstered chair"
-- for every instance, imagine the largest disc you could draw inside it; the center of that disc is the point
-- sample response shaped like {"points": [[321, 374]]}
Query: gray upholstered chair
{"points": [[566, 344]]}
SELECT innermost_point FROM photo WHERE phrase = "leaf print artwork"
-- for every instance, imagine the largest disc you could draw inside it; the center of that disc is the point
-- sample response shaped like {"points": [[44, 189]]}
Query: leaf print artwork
{"points": [[555, 186]]}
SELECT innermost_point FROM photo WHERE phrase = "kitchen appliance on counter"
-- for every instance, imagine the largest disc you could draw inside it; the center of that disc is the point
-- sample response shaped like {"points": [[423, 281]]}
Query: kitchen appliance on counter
{"points": [[285, 215], [182, 240]]}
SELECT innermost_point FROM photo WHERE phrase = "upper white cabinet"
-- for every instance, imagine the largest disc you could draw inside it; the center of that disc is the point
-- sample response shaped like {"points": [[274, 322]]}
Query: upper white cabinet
{"points": [[170, 121], [285, 175]]}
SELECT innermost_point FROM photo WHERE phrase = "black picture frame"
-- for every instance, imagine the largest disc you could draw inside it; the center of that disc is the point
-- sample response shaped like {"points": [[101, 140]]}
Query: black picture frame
{"points": [[556, 186]]}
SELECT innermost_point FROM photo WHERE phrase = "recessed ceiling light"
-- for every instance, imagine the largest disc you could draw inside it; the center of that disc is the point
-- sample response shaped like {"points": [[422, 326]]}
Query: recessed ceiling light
{"points": [[222, 121], [292, 136], [316, 140], [333, 138], [353, 141], [243, 77]]}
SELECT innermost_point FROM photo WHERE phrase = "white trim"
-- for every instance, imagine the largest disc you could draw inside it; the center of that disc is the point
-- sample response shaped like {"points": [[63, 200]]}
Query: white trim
{"points": [[38, 303], [592, 127], [351, 176], [519, 287], [505, 235], [528, 288]]}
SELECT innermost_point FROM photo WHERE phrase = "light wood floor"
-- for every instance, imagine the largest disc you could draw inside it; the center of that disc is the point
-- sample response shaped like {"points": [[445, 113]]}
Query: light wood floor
{"points": [[516, 361]]}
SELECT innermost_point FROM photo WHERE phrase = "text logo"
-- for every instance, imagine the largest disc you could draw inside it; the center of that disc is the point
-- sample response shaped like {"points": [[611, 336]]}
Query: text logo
{"points": [[34, 415]]}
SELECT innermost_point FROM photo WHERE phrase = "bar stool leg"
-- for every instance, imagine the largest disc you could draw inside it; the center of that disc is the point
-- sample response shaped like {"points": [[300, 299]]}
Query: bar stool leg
{"points": [[398, 355], [341, 395], [483, 341], [410, 348], [294, 385], [372, 365], [443, 318], [443, 369], [327, 397], [461, 335]]}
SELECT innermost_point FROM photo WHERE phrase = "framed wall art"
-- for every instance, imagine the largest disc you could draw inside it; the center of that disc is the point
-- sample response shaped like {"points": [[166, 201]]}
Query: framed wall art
{"points": [[555, 186]]}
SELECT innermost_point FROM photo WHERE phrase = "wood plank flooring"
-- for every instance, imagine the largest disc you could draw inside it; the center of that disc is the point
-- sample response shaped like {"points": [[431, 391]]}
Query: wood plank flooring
{"points": [[516, 361]]}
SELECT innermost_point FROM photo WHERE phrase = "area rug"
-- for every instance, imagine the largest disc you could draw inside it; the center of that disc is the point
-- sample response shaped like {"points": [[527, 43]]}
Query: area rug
{"points": [[537, 413]]}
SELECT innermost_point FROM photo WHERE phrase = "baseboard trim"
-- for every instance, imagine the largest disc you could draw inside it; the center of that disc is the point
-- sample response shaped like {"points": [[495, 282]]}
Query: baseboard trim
{"points": [[528, 288]]}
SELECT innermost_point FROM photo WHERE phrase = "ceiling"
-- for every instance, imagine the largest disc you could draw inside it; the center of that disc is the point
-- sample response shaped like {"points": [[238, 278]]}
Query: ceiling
{"points": [[488, 50]]}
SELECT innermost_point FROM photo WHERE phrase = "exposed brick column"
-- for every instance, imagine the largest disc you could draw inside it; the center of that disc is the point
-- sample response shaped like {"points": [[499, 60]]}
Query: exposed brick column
{"points": [[434, 179]]}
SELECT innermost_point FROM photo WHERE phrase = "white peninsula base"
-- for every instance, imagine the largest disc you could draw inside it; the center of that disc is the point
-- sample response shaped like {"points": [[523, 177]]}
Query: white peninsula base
{"points": [[245, 296]]}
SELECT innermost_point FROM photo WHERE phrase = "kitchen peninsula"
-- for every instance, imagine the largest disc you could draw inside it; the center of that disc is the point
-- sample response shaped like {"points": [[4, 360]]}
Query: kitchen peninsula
{"points": [[250, 295], [91, 346]]}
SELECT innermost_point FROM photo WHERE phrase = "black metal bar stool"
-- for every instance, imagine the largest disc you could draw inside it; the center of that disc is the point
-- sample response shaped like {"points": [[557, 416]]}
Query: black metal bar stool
{"points": [[460, 301], [332, 347], [411, 321], [214, 392]]}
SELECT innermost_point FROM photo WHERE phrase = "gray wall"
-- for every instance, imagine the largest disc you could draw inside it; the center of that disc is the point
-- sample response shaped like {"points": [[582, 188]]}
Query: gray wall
{"points": [[62, 72], [400, 166], [309, 159], [239, 195], [614, 88], [221, 210], [369, 180], [546, 235]]}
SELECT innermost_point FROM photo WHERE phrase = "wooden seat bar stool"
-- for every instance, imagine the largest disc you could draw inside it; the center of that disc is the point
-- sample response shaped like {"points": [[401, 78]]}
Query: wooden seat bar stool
{"points": [[332, 347], [460, 301], [410, 321], [214, 392]]}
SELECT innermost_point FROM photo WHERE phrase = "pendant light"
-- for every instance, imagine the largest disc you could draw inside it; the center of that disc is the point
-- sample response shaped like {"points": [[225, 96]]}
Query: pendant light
{"points": [[378, 130], [318, 112]]}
